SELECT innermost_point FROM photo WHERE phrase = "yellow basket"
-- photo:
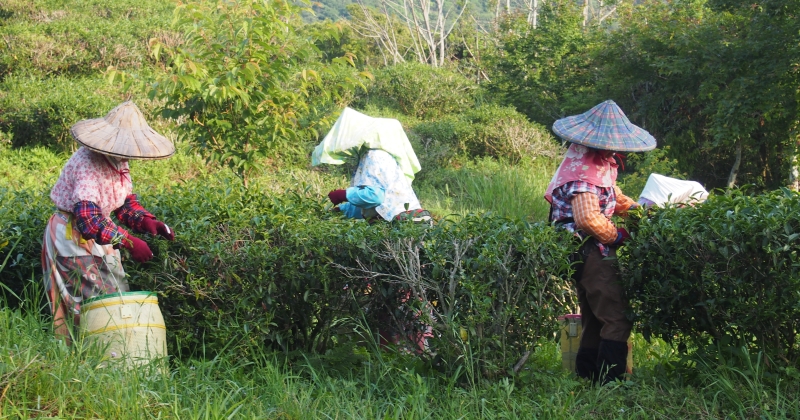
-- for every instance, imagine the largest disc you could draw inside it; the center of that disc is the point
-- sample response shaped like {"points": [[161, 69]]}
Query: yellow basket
{"points": [[128, 325]]}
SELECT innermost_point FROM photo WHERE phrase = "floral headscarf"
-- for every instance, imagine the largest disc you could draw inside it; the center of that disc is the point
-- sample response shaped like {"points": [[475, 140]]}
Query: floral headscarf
{"points": [[583, 164]]}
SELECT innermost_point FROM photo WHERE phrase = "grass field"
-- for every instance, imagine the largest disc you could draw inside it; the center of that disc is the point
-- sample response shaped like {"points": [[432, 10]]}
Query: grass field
{"points": [[41, 378]]}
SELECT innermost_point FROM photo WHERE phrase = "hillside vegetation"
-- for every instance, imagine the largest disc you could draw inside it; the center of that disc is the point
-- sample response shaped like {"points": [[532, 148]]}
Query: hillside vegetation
{"points": [[274, 305]]}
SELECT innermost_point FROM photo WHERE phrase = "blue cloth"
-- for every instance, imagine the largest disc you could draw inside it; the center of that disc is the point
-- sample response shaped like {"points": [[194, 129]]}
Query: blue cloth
{"points": [[359, 198], [350, 211], [365, 196]]}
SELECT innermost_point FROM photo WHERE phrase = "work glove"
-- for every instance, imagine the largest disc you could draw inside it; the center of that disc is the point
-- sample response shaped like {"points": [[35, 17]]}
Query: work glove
{"points": [[622, 236], [337, 196], [140, 252], [156, 227]]}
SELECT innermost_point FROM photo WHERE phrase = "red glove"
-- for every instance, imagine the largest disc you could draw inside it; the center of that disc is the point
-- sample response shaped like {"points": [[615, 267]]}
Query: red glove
{"points": [[622, 236], [337, 196], [155, 227], [140, 252]]}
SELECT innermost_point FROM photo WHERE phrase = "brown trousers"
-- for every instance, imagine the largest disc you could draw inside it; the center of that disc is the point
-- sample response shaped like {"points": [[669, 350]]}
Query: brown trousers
{"points": [[601, 299]]}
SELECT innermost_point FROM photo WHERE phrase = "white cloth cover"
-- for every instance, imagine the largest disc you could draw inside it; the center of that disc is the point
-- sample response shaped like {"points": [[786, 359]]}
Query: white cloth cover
{"points": [[354, 130], [661, 190], [378, 169]]}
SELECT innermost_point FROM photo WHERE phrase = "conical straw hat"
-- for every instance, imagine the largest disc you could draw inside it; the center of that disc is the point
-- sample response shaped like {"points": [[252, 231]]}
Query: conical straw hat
{"points": [[123, 133], [605, 127]]}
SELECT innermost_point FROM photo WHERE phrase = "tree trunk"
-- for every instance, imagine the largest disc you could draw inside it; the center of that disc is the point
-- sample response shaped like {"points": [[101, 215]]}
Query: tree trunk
{"points": [[794, 175], [736, 163], [585, 13]]}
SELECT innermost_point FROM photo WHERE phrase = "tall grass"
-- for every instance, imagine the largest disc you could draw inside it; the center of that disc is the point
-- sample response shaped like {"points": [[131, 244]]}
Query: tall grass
{"points": [[40, 377], [489, 186]]}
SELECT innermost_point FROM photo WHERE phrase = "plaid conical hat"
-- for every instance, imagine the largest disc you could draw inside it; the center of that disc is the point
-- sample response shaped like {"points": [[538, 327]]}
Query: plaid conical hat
{"points": [[605, 127], [122, 133]]}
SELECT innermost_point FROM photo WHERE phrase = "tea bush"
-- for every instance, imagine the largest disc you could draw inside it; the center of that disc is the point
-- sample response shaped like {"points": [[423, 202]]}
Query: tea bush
{"points": [[725, 273], [40, 111], [420, 90], [79, 38], [23, 217], [490, 130], [282, 272]]}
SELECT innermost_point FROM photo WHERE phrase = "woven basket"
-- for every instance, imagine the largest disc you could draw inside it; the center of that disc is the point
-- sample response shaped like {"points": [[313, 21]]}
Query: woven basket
{"points": [[129, 326]]}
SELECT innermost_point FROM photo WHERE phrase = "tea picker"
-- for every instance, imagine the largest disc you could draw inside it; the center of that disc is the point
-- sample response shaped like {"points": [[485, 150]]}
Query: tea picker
{"points": [[583, 197], [80, 252], [380, 188]]}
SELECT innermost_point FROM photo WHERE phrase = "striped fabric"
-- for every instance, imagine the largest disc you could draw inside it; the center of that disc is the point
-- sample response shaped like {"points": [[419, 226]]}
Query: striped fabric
{"points": [[605, 127], [586, 209], [591, 219]]}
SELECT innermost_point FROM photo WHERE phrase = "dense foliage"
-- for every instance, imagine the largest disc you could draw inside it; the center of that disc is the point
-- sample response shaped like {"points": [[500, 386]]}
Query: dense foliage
{"points": [[543, 72], [722, 273], [282, 272], [716, 81], [488, 130], [420, 91], [244, 85]]}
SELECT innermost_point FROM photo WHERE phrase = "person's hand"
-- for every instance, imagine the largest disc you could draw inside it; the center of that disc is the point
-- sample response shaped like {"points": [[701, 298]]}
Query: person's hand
{"points": [[622, 236], [337, 196], [156, 227], [140, 252]]}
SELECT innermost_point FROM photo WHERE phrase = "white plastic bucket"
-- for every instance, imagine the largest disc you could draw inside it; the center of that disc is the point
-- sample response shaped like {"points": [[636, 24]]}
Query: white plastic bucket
{"points": [[129, 326]]}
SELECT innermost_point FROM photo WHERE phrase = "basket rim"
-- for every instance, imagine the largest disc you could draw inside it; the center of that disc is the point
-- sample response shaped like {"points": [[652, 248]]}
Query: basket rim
{"points": [[120, 294]]}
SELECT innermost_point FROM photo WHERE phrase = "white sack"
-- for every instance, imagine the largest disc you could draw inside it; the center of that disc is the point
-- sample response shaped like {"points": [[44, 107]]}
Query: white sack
{"points": [[662, 189]]}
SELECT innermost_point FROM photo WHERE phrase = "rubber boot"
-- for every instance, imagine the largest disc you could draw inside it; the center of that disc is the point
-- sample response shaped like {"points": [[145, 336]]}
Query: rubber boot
{"points": [[586, 363], [612, 360]]}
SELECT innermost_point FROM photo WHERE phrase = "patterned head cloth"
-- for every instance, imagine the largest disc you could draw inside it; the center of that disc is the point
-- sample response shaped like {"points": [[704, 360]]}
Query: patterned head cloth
{"points": [[605, 127]]}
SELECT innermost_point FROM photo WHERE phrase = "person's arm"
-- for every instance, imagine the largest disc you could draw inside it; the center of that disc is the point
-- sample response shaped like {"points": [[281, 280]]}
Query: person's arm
{"points": [[350, 211], [589, 218], [624, 203], [365, 197], [132, 214], [93, 225]]}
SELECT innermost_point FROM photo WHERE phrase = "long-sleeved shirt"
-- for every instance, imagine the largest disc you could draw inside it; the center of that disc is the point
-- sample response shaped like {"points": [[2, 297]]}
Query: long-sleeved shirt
{"points": [[93, 225], [587, 209], [361, 197]]}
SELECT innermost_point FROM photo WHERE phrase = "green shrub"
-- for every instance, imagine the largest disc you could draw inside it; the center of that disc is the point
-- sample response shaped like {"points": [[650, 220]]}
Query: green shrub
{"points": [[38, 111], [75, 37], [489, 130], [420, 90], [23, 217], [282, 272], [725, 272], [246, 94]]}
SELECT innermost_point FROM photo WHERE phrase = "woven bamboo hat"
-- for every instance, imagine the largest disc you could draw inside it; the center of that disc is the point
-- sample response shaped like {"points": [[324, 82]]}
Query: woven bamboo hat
{"points": [[605, 127], [123, 133]]}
